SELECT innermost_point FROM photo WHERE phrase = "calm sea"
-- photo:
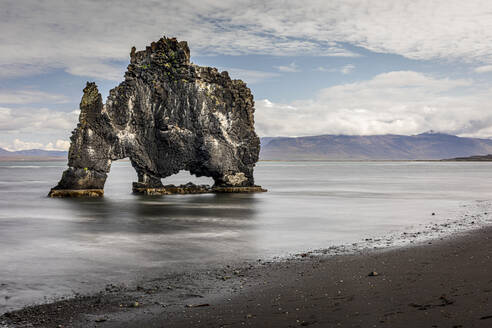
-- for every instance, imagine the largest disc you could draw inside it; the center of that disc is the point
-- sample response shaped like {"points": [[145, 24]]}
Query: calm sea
{"points": [[54, 247]]}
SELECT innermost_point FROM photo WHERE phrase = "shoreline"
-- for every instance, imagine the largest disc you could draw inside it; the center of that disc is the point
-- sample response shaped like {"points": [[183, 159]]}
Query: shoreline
{"points": [[209, 294], [444, 283]]}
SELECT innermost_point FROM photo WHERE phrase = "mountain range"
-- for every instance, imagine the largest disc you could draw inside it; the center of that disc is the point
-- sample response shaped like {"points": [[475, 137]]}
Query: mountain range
{"points": [[425, 146], [32, 154]]}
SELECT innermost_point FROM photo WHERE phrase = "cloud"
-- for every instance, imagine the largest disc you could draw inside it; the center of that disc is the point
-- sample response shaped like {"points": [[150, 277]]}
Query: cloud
{"points": [[25, 145], [291, 68], [35, 121], [36, 128], [30, 96], [82, 37], [19, 69], [250, 76], [326, 69], [96, 69], [483, 69], [90, 38], [347, 69], [400, 102], [22, 145], [58, 145]]}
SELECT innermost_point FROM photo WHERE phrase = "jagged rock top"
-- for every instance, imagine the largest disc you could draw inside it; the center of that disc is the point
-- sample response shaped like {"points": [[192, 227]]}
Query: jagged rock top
{"points": [[173, 58]]}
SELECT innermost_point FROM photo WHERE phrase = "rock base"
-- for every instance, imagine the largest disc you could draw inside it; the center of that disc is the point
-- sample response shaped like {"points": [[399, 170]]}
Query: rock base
{"points": [[67, 193], [165, 190], [192, 189], [238, 189]]}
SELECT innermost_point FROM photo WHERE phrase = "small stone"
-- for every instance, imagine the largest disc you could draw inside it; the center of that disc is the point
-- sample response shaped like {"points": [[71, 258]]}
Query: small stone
{"points": [[373, 274], [197, 305], [100, 320]]}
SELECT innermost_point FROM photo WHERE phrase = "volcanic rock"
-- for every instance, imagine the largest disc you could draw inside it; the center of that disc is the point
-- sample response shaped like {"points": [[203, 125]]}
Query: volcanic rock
{"points": [[167, 115]]}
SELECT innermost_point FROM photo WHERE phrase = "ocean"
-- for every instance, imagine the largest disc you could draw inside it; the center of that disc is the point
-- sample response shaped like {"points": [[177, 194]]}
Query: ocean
{"points": [[58, 247]]}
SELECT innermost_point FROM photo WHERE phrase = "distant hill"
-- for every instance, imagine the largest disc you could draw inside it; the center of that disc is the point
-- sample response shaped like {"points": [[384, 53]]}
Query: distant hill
{"points": [[32, 154], [431, 146], [484, 158]]}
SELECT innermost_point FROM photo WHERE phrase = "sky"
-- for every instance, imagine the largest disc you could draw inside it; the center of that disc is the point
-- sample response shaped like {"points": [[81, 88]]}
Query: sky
{"points": [[314, 67]]}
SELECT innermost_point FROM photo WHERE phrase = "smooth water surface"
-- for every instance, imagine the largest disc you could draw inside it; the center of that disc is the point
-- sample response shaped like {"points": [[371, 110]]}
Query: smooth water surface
{"points": [[54, 247]]}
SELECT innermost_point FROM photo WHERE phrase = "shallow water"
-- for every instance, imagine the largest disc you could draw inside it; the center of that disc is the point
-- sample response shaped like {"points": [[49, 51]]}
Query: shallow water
{"points": [[55, 247]]}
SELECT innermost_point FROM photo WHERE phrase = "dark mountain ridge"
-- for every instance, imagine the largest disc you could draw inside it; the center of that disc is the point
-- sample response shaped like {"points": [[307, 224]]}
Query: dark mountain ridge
{"points": [[31, 154], [430, 146]]}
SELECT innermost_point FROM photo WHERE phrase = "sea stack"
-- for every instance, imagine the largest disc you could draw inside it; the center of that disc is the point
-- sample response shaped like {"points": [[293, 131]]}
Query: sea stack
{"points": [[167, 115]]}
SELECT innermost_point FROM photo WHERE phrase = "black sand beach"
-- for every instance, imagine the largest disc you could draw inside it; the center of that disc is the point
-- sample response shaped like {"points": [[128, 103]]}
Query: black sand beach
{"points": [[441, 283]]}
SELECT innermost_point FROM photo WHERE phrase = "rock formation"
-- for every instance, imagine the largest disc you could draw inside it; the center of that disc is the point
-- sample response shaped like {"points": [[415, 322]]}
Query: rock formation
{"points": [[167, 115]]}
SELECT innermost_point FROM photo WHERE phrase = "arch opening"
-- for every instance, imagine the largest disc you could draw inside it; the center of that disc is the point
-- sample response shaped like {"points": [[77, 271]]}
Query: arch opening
{"points": [[182, 182], [184, 177], [119, 178]]}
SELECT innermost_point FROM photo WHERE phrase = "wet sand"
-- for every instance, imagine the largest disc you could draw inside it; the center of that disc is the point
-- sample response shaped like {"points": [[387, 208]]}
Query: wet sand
{"points": [[439, 283]]}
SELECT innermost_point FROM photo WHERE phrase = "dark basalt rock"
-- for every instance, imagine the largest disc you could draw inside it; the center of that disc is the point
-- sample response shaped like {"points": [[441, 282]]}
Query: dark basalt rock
{"points": [[167, 115], [191, 188]]}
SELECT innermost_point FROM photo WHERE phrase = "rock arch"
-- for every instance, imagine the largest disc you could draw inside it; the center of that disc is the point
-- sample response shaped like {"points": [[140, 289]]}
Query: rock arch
{"points": [[167, 115]]}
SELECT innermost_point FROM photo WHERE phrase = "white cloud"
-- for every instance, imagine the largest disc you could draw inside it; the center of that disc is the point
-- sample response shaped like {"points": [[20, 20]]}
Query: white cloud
{"points": [[96, 69], [62, 144], [58, 145], [250, 76], [291, 68], [29, 97], [402, 102], [36, 128], [326, 69], [83, 36], [483, 69], [26, 145], [30, 120], [89, 37], [15, 70], [22, 145], [347, 69]]}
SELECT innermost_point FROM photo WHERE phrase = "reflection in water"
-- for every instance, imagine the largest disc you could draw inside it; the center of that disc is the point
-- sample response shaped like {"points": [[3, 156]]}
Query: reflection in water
{"points": [[55, 246], [163, 215]]}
